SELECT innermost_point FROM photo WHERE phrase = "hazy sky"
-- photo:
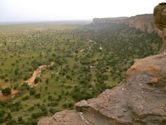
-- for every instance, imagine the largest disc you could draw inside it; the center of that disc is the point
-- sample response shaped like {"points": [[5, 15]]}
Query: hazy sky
{"points": [[41, 10]]}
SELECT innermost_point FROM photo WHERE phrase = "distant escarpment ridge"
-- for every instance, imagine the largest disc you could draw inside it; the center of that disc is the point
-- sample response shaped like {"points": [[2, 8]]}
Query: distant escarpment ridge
{"points": [[143, 22]]}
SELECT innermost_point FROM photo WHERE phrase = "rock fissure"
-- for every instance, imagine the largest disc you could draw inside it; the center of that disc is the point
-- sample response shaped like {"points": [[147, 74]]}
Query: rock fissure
{"points": [[83, 118]]}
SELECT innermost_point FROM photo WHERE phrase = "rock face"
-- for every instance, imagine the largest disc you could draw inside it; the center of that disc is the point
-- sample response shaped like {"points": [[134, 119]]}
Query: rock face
{"points": [[66, 117], [117, 20], [160, 16], [139, 100], [144, 22], [160, 21]]}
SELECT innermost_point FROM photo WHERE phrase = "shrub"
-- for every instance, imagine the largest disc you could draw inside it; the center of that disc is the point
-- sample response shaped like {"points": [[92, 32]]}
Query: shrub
{"points": [[37, 95], [6, 91], [24, 87], [2, 112], [25, 98], [32, 91]]}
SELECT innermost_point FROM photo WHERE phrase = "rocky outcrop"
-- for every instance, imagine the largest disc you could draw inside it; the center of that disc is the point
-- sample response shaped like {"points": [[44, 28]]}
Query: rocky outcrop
{"points": [[160, 16], [139, 100], [67, 117], [160, 21], [144, 22]]}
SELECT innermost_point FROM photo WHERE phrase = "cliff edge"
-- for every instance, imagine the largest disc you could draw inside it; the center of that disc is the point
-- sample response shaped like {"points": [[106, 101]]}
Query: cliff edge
{"points": [[140, 99], [144, 22]]}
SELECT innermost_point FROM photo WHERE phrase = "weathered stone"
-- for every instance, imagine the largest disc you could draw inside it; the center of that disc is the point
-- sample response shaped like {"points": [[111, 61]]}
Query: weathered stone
{"points": [[160, 21], [160, 16], [67, 117]]}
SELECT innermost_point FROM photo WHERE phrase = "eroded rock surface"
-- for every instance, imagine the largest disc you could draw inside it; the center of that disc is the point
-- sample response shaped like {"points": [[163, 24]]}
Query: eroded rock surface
{"points": [[67, 117], [160, 22]]}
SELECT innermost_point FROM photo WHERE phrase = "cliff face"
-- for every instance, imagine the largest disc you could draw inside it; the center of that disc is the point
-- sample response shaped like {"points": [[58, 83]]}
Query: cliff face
{"points": [[118, 20], [160, 21], [144, 23]]}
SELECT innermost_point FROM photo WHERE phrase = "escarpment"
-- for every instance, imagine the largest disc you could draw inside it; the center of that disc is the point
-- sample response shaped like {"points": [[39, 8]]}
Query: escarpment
{"points": [[144, 22], [140, 99]]}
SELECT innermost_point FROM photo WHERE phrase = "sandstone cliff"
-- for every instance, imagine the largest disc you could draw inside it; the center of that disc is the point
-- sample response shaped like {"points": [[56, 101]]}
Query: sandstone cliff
{"points": [[144, 22], [160, 21], [117, 20]]}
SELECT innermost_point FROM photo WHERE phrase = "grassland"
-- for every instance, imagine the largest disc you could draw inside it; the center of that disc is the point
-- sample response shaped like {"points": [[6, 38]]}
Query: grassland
{"points": [[88, 59]]}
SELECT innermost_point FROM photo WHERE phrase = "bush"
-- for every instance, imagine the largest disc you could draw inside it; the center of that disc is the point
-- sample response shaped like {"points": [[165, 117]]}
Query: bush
{"points": [[2, 112], [37, 114], [37, 95], [24, 87], [6, 91], [19, 119], [25, 97], [32, 91]]}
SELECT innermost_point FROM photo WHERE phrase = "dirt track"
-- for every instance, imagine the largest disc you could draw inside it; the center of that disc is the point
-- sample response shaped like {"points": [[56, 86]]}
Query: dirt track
{"points": [[30, 81], [37, 73]]}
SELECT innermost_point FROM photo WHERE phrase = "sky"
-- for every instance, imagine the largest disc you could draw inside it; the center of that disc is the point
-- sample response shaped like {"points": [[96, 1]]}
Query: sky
{"points": [[52, 10]]}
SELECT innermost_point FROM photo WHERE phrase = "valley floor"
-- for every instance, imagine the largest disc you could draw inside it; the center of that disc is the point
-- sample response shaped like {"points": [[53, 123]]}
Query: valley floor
{"points": [[87, 60]]}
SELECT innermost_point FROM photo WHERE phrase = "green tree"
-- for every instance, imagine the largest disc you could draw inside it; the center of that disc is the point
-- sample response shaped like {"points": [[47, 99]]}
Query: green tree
{"points": [[6, 91]]}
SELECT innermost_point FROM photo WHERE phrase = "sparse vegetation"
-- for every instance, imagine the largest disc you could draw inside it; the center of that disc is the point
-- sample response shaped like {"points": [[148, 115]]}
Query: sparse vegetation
{"points": [[88, 59]]}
